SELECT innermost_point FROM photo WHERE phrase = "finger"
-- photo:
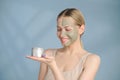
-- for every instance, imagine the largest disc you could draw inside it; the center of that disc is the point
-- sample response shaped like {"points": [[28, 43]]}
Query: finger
{"points": [[48, 57], [36, 58], [43, 55]]}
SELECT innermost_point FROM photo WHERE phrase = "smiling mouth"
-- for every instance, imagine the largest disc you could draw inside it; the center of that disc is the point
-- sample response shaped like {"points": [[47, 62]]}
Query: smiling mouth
{"points": [[64, 40]]}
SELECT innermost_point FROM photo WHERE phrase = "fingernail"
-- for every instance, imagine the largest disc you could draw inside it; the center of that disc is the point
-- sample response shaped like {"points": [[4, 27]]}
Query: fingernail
{"points": [[43, 55]]}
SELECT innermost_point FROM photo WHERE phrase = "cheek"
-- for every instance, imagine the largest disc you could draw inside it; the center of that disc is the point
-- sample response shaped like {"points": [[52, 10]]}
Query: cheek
{"points": [[73, 35], [70, 36]]}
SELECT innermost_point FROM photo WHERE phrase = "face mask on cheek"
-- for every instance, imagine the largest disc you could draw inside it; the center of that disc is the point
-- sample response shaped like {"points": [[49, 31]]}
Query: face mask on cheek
{"points": [[72, 36]]}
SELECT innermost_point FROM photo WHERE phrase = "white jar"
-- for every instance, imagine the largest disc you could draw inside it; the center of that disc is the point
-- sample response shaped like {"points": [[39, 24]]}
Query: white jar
{"points": [[37, 52]]}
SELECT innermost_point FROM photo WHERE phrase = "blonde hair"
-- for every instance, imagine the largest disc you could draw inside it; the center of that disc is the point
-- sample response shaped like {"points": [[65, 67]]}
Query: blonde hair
{"points": [[73, 13], [76, 15]]}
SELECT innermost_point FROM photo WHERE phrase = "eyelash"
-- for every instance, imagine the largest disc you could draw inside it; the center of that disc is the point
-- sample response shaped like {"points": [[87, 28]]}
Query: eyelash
{"points": [[65, 29], [68, 29], [58, 29]]}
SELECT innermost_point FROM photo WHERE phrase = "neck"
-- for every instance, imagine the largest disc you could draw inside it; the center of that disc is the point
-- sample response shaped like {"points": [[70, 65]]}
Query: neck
{"points": [[76, 47]]}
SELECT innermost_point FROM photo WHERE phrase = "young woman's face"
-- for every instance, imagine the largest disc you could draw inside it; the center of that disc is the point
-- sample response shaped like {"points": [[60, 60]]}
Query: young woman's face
{"points": [[67, 31]]}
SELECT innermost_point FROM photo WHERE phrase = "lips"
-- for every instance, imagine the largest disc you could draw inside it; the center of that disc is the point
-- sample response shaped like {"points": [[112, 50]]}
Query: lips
{"points": [[64, 40]]}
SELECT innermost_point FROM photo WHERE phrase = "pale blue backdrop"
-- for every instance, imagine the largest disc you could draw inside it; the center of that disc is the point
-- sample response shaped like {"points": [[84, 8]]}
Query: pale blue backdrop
{"points": [[29, 23]]}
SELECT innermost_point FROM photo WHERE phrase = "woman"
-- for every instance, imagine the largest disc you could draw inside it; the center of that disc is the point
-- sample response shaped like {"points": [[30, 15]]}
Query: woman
{"points": [[71, 62]]}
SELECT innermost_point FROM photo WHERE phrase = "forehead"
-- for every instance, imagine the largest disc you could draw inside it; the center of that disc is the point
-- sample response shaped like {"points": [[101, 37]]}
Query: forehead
{"points": [[64, 21]]}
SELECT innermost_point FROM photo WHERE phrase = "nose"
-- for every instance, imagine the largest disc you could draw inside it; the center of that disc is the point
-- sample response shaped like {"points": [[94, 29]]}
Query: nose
{"points": [[62, 34]]}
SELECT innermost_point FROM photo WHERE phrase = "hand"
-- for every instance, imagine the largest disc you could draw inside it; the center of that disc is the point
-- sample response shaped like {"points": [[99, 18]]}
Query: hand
{"points": [[49, 60]]}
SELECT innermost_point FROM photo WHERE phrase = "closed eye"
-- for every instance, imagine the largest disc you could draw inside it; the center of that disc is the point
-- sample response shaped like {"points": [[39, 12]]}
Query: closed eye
{"points": [[59, 29], [68, 29]]}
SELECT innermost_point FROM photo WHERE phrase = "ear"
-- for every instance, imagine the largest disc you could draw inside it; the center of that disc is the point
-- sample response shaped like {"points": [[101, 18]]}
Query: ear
{"points": [[81, 29]]}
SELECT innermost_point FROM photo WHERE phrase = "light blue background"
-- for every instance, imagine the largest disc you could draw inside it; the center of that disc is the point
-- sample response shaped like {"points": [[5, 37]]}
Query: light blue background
{"points": [[28, 23]]}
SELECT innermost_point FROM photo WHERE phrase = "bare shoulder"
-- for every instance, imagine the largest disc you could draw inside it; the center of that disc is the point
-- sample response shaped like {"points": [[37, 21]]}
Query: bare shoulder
{"points": [[93, 59], [91, 67]]}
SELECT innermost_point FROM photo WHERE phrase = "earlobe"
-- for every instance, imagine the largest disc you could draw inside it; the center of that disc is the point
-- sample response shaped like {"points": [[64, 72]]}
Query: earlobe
{"points": [[81, 29]]}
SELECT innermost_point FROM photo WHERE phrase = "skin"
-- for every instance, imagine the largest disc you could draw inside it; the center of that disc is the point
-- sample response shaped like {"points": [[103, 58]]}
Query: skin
{"points": [[71, 53], [67, 29]]}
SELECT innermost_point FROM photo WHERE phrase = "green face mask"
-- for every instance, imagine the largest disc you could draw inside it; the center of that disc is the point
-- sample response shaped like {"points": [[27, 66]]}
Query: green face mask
{"points": [[72, 34]]}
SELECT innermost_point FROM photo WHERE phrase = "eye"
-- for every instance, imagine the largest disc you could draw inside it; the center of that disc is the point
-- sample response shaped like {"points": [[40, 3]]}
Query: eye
{"points": [[59, 29], [68, 29]]}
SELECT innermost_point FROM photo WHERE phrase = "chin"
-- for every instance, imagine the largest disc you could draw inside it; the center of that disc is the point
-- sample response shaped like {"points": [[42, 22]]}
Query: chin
{"points": [[66, 45]]}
